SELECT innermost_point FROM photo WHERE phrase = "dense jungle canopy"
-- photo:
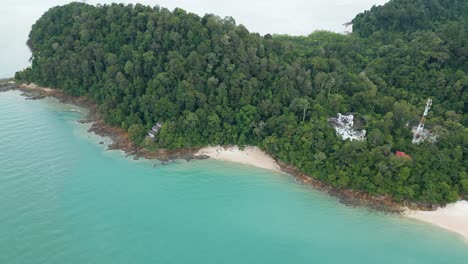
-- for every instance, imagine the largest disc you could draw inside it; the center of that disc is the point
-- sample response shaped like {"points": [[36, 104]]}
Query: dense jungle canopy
{"points": [[211, 81]]}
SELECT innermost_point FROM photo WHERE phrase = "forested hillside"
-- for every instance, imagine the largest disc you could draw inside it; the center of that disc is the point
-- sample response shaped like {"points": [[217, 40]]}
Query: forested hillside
{"points": [[211, 81], [405, 16]]}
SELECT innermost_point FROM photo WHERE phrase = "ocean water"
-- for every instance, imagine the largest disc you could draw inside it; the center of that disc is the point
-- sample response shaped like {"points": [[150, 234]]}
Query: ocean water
{"points": [[65, 199]]}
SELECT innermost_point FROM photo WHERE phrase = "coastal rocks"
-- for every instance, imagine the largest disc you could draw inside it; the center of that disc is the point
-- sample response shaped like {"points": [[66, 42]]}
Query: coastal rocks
{"points": [[121, 141], [355, 198], [84, 121], [170, 155], [346, 196], [119, 137], [35, 97], [7, 86]]}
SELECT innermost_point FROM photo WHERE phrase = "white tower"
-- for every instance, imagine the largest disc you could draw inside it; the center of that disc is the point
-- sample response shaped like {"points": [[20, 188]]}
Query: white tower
{"points": [[417, 134], [348, 27]]}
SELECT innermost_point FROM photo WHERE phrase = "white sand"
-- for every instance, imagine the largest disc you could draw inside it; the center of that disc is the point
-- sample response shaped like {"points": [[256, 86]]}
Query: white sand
{"points": [[453, 217], [249, 155]]}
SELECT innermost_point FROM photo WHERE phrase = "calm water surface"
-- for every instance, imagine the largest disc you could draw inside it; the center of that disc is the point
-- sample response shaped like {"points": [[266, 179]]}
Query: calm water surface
{"points": [[64, 199]]}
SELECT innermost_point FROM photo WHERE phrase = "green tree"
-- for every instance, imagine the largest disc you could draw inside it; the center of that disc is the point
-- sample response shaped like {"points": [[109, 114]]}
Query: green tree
{"points": [[136, 133]]}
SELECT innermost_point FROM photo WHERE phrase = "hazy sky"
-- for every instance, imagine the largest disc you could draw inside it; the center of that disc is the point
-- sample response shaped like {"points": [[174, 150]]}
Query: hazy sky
{"points": [[294, 17]]}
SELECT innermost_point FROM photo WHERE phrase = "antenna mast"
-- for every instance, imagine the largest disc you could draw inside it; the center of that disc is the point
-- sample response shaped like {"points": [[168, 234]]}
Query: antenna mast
{"points": [[348, 27], [420, 128]]}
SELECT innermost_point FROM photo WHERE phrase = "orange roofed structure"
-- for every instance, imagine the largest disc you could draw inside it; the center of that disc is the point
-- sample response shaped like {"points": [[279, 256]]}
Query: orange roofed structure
{"points": [[403, 154]]}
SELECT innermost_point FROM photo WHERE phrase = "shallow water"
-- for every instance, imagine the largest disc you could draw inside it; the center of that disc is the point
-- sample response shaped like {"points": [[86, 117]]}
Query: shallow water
{"points": [[64, 199]]}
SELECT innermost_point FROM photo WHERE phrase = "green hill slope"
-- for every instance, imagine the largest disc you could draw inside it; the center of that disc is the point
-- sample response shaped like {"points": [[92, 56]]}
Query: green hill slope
{"points": [[211, 81], [410, 16]]}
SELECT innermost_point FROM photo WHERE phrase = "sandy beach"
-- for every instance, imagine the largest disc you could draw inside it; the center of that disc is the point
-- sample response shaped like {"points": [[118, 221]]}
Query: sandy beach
{"points": [[249, 156], [453, 217]]}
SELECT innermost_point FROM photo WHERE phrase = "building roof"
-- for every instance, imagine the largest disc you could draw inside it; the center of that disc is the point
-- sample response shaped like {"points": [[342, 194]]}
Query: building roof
{"points": [[402, 154]]}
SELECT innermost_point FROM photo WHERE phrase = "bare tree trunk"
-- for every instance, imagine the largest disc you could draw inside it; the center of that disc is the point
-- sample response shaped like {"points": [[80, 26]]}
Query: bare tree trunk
{"points": [[303, 116]]}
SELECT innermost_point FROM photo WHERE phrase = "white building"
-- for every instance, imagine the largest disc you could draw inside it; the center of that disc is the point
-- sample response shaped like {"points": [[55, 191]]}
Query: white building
{"points": [[343, 125], [154, 130]]}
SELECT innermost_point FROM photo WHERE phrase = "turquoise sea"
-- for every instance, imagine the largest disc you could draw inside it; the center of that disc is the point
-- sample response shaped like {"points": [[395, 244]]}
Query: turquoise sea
{"points": [[65, 199]]}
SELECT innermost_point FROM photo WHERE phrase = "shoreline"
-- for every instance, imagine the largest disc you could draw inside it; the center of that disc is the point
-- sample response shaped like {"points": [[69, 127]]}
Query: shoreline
{"points": [[7, 84], [253, 156], [119, 136], [429, 213], [453, 217], [249, 156]]}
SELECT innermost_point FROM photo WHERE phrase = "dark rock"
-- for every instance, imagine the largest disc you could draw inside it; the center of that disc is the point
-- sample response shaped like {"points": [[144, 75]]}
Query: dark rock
{"points": [[7, 87], [85, 121]]}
